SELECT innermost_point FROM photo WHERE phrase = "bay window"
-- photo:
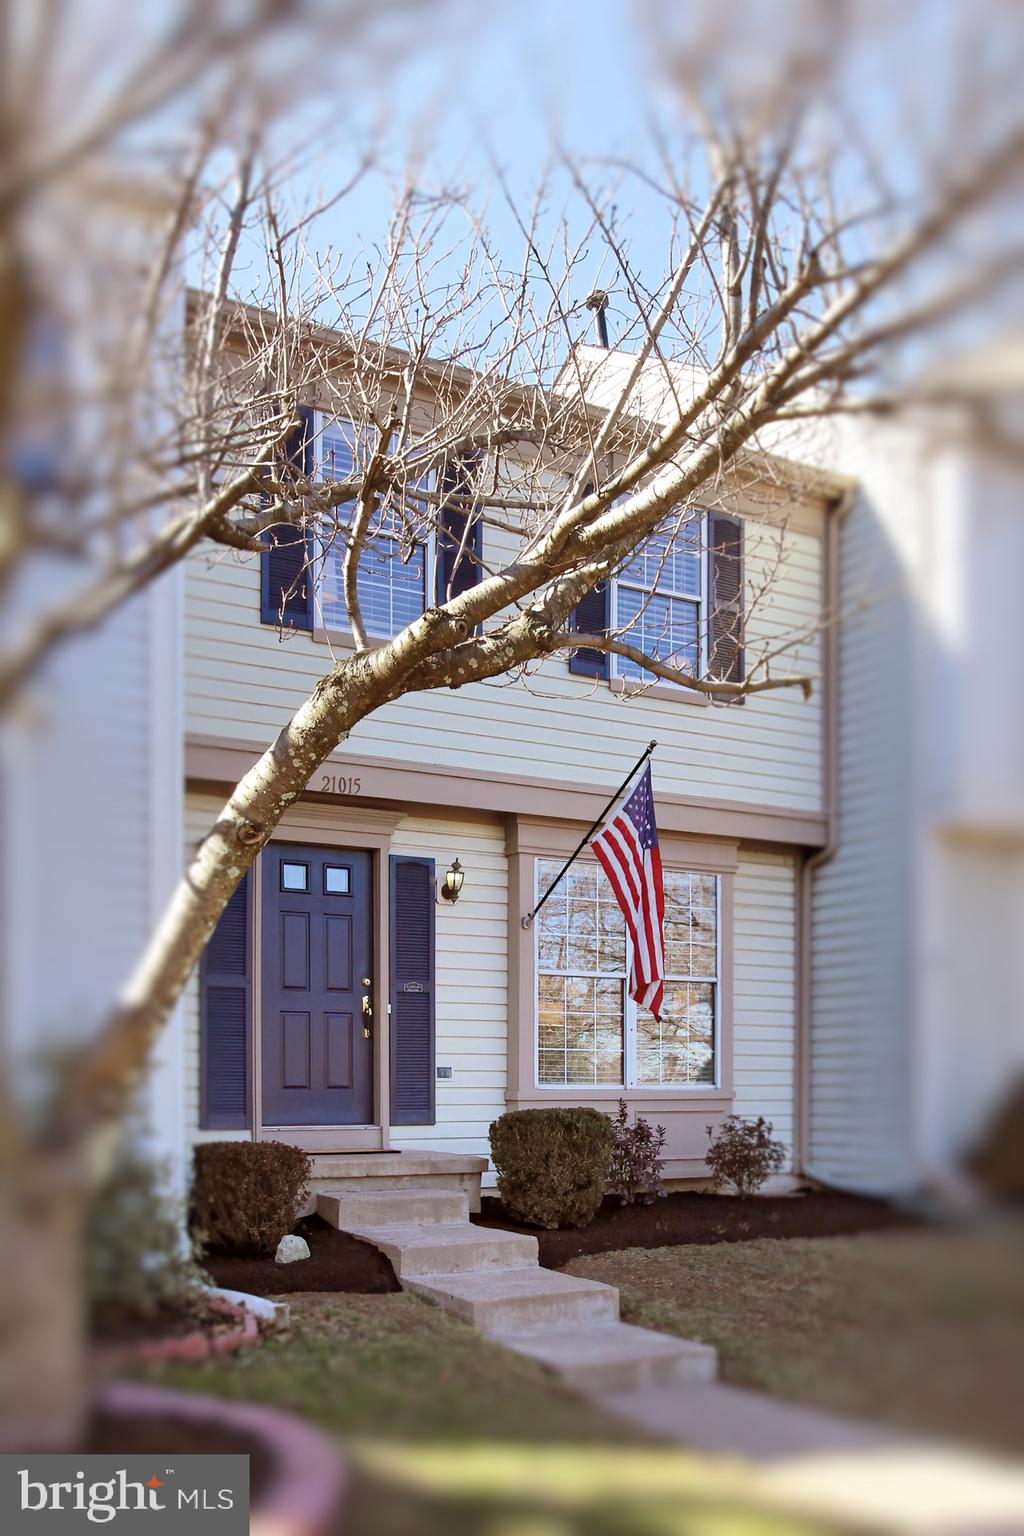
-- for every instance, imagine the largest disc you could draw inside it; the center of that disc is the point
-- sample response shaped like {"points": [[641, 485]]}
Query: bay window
{"points": [[590, 1033]]}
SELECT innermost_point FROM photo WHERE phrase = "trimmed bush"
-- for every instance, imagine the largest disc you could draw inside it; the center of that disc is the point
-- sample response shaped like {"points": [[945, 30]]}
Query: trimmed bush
{"points": [[552, 1164], [246, 1195], [743, 1154], [635, 1171]]}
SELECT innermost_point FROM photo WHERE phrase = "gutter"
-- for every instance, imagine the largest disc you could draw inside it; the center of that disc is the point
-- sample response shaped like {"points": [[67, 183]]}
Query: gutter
{"points": [[840, 506]]}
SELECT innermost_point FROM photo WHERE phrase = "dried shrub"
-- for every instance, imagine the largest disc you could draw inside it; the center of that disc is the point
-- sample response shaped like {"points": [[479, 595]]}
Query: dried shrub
{"points": [[743, 1154], [136, 1266], [552, 1164], [246, 1195], [635, 1170]]}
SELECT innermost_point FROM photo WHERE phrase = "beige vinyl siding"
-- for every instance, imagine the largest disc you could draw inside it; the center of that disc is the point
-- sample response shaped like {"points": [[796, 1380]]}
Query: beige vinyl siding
{"points": [[860, 1125], [243, 681], [764, 990], [471, 979]]}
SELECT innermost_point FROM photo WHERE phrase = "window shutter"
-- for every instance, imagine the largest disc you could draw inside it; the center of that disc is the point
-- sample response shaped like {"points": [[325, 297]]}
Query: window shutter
{"points": [[459, 564], [412, 991], [225, 1011], [725, 594], [590, 617], [286, 579]]}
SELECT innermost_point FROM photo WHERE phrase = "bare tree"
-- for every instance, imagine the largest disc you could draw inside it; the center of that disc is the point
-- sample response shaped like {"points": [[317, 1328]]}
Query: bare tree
{"points": [[457, 385]]}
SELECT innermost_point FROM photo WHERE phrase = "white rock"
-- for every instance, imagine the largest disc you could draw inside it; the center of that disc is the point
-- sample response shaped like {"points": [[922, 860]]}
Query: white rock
{"points": [[291, 1248]]}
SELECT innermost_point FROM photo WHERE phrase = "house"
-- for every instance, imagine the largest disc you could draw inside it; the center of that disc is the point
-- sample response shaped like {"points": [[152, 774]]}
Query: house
{"points": [[345, 1005], [910, 982]]}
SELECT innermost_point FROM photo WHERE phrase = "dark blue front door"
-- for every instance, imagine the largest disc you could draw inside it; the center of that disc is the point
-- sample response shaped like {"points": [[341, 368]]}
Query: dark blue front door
{"points": [[317, 1003]]}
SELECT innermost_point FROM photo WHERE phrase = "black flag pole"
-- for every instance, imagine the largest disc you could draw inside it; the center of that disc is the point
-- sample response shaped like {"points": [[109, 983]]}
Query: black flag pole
{"points": [[588, 834]]}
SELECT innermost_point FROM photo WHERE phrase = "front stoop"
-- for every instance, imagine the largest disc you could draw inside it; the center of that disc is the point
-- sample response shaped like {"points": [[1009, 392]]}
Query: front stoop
{"points": [[334, 1173], [492, 1280]]}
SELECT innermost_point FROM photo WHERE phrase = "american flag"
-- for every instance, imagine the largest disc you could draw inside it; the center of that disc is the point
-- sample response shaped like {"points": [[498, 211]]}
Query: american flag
{"points": [[627, 849]]}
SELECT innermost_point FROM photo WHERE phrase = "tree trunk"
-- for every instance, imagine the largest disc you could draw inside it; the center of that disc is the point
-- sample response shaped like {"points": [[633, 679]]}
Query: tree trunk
{"points": [[43, 1387]]}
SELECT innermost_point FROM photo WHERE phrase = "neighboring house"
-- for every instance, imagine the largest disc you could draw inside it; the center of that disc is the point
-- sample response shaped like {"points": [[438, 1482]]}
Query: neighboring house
{"points": [[344, 1005]]}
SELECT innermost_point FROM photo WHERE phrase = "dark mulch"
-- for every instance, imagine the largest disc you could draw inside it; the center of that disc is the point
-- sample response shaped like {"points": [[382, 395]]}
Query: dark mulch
{"points": [[113, 1327], [336, 1262], [699, 1218]]}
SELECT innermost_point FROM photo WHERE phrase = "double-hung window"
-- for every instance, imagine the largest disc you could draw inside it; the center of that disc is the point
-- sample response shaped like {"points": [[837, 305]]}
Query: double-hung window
{"points": [[659, 600], [394, 567], [590, 1033]]}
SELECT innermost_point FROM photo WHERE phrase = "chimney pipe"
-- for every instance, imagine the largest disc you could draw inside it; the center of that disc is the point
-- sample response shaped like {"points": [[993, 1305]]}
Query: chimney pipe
{"points": [[598, 302]]}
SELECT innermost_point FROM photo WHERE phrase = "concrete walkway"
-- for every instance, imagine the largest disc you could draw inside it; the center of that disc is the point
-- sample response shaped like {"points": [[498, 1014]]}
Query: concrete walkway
{"points": [[492, 1280], [818, 1463]]}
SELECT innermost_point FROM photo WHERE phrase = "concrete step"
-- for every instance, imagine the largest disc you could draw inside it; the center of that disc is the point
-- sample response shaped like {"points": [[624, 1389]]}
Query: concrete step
{"points": [[613, 1357], [392, 1207], [339, 1173], [434, 1248], [508, 1300]]}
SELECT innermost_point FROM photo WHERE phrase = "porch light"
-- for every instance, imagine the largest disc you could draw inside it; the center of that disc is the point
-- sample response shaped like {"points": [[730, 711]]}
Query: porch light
{"points": [[451, 885]]}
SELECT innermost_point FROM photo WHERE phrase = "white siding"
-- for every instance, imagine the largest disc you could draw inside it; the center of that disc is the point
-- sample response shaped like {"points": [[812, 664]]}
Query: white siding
{"points": [[764, 996], [244, 681], [861, 1035], [472, 990]]}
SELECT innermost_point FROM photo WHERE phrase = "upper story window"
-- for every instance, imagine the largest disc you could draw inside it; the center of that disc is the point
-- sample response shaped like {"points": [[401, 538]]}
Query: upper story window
{"points": [[589, 1031], [393, 573], [679, 600], [659, 600]]}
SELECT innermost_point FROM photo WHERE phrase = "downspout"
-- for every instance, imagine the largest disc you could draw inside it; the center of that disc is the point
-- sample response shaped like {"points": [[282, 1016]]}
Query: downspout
{"points": [[840, 506]]}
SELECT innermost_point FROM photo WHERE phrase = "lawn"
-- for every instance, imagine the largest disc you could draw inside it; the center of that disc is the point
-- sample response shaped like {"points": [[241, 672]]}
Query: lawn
{"points": [[923, 1329], [448, 1435]]}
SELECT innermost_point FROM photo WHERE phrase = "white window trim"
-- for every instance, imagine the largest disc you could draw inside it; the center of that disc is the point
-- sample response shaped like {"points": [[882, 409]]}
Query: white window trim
{"points": [[429, 546], [700, 601], [630, 1084]]}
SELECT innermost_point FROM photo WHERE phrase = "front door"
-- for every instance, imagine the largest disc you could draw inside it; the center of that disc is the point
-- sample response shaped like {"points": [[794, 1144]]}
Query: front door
{"points": [[317, 990]]}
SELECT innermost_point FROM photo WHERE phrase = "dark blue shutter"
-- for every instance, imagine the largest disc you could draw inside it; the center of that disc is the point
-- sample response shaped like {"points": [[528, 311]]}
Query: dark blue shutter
{"points": [[286, 577], [725, 598], [412, 990], [590, 617], [225, 1008], [459, 564]]}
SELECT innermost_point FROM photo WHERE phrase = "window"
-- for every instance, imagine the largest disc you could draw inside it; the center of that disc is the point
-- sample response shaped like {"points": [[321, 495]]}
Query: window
{"points": [[589, 1032], [392, 576], [294, 877], [659, 600]]}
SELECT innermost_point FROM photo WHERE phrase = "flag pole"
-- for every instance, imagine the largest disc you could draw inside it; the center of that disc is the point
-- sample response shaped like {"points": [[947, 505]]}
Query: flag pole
{"points": [[584, 840]]}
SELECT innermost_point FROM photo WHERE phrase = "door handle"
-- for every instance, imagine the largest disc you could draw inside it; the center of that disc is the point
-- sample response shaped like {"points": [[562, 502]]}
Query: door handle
{"points": [[367, 1015]]}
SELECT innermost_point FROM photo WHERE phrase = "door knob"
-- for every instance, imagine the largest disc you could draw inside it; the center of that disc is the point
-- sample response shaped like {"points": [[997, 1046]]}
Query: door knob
{"points": [[367, 981]]}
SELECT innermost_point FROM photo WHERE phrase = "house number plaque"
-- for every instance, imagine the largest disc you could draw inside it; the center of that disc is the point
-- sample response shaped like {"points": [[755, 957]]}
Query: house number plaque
{"points": [[337, 784]]}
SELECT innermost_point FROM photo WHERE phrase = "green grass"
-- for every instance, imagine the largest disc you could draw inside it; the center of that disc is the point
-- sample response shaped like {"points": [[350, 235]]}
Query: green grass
{"points": [[922, 1329], [448, 1435]]}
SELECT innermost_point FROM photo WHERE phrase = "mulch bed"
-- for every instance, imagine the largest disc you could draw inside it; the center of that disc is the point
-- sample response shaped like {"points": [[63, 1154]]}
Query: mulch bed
{"points": [[336, 1262], [699, 1218]]}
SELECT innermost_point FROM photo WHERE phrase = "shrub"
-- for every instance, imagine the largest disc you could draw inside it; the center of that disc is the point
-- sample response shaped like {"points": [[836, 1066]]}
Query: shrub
{"points": [[136, 1267], [634, 1173], [246, 1194], [552, 1164], [743, 1154]]}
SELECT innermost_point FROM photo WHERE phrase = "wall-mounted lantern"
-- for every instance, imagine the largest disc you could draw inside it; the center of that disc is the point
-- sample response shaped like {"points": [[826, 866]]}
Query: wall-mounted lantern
{"points": [[451, 884]]}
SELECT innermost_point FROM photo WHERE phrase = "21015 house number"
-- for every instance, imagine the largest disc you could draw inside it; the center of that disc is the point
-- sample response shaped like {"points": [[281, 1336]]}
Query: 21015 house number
{"points": [[335, 784]]}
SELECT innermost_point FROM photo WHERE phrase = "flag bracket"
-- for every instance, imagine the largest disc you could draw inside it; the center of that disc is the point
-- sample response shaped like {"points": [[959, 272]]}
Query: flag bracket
{"points": [[588, 834]]}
